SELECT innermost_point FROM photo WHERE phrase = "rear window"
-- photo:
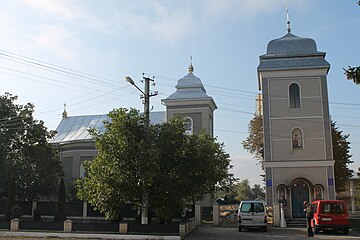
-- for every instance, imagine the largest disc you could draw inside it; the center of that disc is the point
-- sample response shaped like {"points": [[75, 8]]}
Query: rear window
{"points": [[252, 207], [332, 208]]}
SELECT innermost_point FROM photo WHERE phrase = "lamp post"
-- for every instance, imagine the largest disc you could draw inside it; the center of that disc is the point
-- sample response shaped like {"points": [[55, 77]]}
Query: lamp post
{"points": [[146, 95]]}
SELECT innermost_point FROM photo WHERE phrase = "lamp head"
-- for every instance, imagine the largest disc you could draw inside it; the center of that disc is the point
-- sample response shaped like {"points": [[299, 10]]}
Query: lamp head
{"points": [[129, 80]]}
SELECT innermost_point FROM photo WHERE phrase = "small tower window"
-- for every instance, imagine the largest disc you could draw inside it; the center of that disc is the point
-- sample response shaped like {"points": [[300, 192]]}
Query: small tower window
{"points": [[297, 139], [188, 124], [294, 95]]}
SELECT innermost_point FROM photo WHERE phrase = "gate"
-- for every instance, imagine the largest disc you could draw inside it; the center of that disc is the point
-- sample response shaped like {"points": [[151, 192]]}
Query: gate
{"points": [[228, 214]]}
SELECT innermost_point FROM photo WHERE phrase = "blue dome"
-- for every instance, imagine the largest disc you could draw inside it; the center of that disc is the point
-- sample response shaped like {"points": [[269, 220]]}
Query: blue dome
{"points": [[290, 45]]}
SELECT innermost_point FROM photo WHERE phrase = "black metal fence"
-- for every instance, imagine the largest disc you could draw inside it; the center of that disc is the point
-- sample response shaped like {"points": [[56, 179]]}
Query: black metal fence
{"points": [[30, 225], [4, 224], [95, 227]]}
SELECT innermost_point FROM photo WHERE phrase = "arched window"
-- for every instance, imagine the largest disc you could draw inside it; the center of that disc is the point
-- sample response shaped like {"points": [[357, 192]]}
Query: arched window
{"points": [[318, 192], [188, 124], [297, 138], [294, 95]]}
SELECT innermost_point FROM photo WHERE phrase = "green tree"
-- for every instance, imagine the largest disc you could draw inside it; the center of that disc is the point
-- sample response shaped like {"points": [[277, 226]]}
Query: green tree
{"points": [[353, 73], [257, 192], [254, 142], [341, 147], [242, 191], [25, 151], [174, 168], [60, 214]]}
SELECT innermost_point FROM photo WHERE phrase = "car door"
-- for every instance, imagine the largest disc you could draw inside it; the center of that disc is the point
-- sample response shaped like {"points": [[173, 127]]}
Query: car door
{"points": [[258, 212]]}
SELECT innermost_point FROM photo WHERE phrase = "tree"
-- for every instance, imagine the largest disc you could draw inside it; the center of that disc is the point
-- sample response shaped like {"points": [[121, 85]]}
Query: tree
{"points": [[174, 168], [353, 73], [254, 142], [25, 152], [60, 215], [242, 191], [341, 147], [10, 201]]}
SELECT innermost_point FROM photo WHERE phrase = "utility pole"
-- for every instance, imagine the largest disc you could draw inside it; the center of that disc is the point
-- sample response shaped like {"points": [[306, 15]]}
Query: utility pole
{"points": [[146, 95]]}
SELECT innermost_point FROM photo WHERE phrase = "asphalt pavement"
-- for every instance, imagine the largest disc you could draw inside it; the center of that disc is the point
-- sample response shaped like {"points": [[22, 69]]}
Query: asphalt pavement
{"points": [[209, 232]]}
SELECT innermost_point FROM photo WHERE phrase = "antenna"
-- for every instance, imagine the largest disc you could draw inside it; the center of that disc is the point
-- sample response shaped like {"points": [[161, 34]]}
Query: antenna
{"points": [[288, 20]]}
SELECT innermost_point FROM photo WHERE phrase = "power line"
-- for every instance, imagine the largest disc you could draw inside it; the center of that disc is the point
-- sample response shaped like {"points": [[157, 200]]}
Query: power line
{"points": [[55, 68]]}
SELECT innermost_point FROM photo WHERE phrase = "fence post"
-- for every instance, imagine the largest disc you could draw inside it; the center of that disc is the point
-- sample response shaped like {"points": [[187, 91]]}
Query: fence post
{"points": [[216, 214], [198, 213], [182, 229], [123, 227], [14, 225], [68, 226], [85, 209], [33, 207]]}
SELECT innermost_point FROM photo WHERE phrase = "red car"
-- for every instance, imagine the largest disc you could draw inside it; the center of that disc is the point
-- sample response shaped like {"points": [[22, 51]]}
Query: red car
{"points": [[330, 215]]}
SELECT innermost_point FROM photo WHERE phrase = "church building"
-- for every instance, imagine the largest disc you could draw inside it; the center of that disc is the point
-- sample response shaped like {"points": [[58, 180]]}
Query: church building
{"points": [[298, 158], [189, 101]]}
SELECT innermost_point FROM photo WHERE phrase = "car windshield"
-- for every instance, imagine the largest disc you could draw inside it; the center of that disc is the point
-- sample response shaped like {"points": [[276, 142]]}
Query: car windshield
{"points": [[332, 208], [252, 207]]}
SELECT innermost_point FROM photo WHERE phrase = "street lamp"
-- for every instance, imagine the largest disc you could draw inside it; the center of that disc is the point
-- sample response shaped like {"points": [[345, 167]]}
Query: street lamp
{"points": [[146, 95]]}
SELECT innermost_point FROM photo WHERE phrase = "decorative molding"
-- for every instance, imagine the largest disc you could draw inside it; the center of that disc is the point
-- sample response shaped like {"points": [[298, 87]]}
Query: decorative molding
{"points": [[293, 164]]}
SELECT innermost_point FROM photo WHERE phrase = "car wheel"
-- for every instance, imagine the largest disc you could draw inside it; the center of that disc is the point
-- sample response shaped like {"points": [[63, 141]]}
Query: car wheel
{"points": [[346, 230], [264, 229], [316, 229], [240, 229]]}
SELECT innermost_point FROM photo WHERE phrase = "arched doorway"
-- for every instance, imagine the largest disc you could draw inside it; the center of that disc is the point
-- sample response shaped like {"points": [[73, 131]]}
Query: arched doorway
{"points": [[299, 194]]}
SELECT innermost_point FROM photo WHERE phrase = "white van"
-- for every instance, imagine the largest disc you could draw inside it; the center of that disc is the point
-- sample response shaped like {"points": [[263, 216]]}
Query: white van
{"points": [[252, 214]]}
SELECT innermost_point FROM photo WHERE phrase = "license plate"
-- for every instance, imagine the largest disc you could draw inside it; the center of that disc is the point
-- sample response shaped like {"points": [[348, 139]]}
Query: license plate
{"points": [[246, 221], [326, 219]]}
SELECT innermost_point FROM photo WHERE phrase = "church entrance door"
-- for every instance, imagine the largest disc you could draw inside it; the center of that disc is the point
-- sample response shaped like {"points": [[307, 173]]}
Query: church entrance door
{"points": [[299, 194]]}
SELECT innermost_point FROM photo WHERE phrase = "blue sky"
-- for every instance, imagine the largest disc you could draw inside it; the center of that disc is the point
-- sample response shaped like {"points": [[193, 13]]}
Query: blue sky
{"points": [[97, 43]]}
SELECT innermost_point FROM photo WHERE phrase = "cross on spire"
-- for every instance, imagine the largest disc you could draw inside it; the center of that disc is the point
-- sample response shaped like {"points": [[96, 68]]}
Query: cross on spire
{"points": [[288, 20]]}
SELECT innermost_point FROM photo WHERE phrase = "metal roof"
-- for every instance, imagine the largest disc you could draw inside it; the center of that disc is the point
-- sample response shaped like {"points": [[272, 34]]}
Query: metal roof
{"points": [[75, 128], [291, 44], [189, 87], [292, 52]]}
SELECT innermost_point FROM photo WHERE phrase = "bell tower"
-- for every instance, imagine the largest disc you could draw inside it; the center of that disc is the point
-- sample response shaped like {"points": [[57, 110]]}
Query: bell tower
{"points": [[191, 102], [298, 158]]}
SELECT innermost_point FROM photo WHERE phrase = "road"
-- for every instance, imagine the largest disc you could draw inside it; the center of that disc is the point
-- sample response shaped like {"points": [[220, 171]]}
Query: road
{"points": [[204, 232]]}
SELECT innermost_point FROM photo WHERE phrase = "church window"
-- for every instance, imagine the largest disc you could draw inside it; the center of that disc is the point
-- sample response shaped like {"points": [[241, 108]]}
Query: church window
{"points": [[297, 139], [318, 192], [294, 95], [282, 194], [188, 124]]}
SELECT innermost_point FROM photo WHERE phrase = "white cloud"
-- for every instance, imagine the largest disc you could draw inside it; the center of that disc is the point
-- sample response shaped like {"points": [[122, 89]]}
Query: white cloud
{"points": [[51, 7], [68, 12], [163, 23], [247, 8], [246, 167], [58, 40]]}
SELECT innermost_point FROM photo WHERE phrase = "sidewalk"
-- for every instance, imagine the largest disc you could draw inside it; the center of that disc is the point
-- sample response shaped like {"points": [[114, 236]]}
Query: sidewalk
{"points": [[83, 235]]}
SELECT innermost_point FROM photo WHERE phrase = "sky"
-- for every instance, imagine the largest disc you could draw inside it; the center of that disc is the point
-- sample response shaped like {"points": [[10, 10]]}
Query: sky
{"points": [[78, 53]]}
